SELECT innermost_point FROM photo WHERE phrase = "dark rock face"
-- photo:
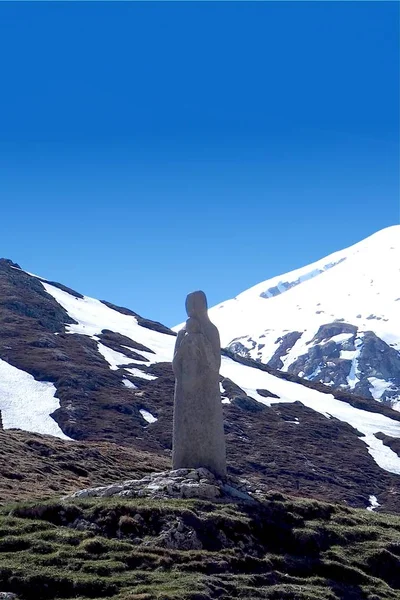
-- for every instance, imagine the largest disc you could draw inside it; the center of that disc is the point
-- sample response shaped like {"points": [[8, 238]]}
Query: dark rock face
{"points": [[248, 403], [9, 263], [348, 362], [322, 362], [231, 389], [325, 332], [286, 343], [238, 347], [378, 359], [285, 446], [115, 341], [23, 297]]}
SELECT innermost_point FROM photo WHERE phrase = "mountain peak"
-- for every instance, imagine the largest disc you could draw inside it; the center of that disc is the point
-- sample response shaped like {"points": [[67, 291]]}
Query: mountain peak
{"points": [[9, 263], [277, 321]]}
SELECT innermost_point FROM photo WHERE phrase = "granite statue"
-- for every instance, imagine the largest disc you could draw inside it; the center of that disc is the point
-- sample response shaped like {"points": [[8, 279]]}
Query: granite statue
{"points": [[198, 431]]}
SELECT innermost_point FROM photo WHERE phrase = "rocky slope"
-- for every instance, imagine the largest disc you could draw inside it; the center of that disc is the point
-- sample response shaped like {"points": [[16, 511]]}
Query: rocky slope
{"points": [[75, 367], [336, 321], [35, 466]]}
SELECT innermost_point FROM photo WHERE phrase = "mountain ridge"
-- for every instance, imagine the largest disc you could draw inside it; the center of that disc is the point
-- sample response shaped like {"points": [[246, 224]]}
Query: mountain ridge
{"points": [[110, 377], [335, 321]]}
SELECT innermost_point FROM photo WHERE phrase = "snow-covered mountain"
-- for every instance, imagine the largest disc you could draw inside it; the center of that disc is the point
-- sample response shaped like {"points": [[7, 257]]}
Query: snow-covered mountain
{"points": [[84, 369], [336, 321]]}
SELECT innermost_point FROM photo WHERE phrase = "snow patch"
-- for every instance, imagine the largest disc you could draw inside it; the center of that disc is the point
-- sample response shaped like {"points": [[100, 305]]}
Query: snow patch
{"points": [[129, 384], [340, 338], [373, 503], [114, 359], [138, 373], [93, 316], [26, 403], [352, 378], [378, 387], [147, 416]]}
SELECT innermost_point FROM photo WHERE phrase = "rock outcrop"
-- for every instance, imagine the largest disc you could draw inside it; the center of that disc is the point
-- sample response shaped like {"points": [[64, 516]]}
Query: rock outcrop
{"points": [[178, 483]]}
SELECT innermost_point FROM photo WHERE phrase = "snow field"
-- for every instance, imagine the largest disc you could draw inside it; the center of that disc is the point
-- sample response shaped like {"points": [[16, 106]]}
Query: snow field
{"points": [[359, 285], [26, 403]]}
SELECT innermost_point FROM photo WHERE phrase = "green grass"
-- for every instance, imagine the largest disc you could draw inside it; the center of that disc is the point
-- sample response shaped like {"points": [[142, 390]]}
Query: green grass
{"points": [[119, 549]]}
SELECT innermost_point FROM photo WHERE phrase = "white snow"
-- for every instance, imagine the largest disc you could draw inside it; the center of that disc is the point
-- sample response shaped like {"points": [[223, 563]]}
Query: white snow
{"points": [[378, 387], [147, 416], [26, 403], [373, 503], [129, 384], [352, 378], [367, 423], [139, 373], [340, 338], [348, 285], [224, 399], [114, 359], [93, 316]]}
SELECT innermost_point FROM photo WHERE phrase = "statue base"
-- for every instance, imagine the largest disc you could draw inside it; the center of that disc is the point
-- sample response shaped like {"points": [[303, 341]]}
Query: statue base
{"points": [[180, 483]]}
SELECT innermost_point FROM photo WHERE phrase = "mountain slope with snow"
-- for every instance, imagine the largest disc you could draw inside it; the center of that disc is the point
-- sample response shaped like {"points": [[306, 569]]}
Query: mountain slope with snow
{"points": [[89, 370], [336, 321]]}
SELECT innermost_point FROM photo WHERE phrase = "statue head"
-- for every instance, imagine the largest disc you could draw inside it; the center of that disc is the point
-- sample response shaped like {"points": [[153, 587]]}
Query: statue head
{"points": [[196, 304]]}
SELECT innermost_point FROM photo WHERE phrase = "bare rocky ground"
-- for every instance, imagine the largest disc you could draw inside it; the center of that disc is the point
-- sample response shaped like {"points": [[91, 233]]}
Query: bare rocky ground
{"points": [[34, 466]]}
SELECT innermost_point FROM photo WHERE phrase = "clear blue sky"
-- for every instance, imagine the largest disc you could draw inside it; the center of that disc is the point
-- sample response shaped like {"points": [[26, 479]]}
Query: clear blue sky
{"points": [[149, 149]]}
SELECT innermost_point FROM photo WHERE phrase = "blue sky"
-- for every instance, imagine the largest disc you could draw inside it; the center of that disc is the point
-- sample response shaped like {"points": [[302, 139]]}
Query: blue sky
{"points": [[149, 149]]}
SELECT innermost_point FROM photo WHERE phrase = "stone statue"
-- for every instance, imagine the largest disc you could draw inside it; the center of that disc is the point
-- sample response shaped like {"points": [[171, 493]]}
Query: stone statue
{"points": [[198, 439]]}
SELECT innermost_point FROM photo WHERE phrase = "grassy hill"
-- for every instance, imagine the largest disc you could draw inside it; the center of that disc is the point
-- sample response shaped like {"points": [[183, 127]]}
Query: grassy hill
{"points": [[121, 549]]}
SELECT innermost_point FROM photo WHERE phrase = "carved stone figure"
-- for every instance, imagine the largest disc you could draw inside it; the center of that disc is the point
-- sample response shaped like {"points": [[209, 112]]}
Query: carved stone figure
{"points": [[198, 438]]}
